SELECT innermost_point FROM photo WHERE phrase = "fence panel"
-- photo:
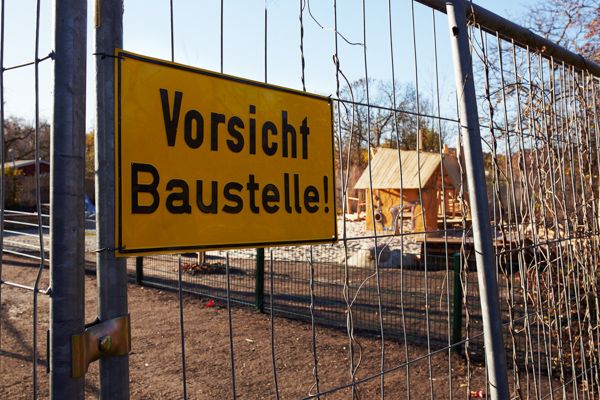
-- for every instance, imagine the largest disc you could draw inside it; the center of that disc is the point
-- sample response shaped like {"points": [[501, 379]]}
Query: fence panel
{"points": [[392, 273], [24, 230]]}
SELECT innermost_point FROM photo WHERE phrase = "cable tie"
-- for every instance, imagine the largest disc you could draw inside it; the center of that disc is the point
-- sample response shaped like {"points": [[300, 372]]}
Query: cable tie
{"points": [[105, 249], [104, 55]]}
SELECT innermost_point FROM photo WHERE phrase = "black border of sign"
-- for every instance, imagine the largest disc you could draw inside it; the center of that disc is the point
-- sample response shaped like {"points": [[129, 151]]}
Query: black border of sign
{"points": [[120, 56]]}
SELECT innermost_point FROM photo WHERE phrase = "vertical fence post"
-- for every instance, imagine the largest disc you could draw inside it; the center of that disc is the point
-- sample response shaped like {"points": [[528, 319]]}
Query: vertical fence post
{"points": [[484, 251], [111, 272], [67, 195], [139, 270], [259, 295], [457, 306]]}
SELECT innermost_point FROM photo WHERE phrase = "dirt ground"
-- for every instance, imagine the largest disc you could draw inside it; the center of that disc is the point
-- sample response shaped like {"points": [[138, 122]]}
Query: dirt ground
{"points": [[155, 360]]}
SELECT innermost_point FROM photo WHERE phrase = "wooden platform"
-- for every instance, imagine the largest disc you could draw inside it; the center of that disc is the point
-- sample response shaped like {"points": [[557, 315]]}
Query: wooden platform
{"points": [[439, 245]]}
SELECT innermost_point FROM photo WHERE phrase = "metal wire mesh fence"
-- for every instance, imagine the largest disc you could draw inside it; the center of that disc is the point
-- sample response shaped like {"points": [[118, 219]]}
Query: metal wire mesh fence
{"points": [[292, 291], [403, 272], [393, 274], [541, 139], [24, 231]]}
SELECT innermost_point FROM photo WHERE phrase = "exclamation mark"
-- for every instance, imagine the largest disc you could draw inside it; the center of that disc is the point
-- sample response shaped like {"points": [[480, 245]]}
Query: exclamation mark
{"points": [[326, 192]]}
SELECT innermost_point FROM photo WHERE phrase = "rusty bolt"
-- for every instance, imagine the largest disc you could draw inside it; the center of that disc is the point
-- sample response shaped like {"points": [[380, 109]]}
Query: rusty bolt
{"points": [[105, 343]]}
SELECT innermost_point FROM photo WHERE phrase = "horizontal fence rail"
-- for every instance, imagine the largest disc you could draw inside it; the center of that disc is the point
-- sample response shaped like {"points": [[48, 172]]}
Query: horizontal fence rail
{"points": [[523, 37]]}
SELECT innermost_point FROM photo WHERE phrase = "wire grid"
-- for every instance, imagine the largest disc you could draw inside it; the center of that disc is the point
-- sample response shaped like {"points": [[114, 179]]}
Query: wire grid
{"points": [[410, 300], [529, 109], [25, 230], [540, 127], [292, 293]]}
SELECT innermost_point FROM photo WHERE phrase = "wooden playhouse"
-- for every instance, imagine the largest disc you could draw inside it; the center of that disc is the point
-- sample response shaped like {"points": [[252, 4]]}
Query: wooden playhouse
{"points": [[395, 177]]}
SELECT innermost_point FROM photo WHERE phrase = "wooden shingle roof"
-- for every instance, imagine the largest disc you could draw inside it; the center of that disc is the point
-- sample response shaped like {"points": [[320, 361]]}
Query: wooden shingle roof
{"points": [[417, 169]]}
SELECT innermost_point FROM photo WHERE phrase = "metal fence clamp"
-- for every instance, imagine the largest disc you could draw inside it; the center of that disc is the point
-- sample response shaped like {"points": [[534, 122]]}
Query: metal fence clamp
{"points": [[100, 340]]}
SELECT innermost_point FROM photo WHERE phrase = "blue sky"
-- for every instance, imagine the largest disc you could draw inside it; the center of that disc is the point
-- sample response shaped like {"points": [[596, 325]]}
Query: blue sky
{"points": [[197, 43]]}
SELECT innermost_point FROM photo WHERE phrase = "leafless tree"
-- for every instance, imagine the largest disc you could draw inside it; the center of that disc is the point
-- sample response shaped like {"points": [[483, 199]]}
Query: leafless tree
{"points": [[19, 140], [574, 24]]}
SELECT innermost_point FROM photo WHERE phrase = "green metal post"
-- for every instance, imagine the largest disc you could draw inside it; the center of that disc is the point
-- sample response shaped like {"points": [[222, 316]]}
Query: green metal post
{"points": [[259, 298], [139, 270], [457, 306]]}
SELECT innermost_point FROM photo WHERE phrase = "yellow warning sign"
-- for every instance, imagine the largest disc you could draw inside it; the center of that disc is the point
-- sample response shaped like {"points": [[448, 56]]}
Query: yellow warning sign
{"points": [[206, 161]]}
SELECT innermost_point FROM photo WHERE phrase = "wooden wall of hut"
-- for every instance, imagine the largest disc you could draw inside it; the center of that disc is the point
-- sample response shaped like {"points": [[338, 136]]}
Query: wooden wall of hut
{"points": [[385, 199]]}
